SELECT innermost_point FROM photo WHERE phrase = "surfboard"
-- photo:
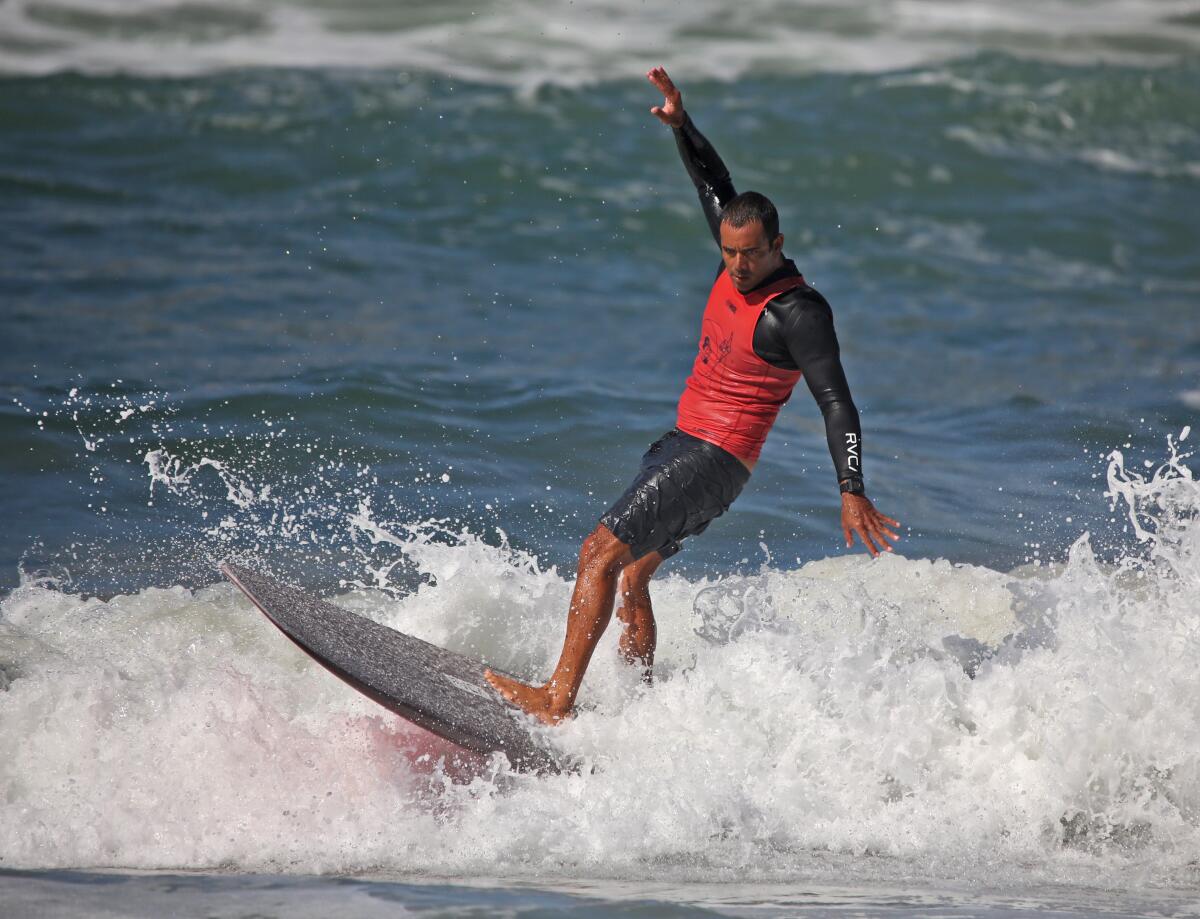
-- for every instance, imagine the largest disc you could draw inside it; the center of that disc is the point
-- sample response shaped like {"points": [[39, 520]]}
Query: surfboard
{"points": [[443, 692]]}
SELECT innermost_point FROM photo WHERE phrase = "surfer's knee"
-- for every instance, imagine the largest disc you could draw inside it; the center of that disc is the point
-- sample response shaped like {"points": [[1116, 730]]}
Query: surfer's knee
{"points": [[602, 550], [635, 578]]}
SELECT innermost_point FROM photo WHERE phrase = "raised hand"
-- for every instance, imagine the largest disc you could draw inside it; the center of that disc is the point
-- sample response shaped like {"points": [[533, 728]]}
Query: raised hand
{"points": [[670, 112], [860, 517]]}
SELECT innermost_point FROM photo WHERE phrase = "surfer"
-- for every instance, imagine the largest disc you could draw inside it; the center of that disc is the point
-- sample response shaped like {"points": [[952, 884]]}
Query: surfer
{"points": [[763, 328]]}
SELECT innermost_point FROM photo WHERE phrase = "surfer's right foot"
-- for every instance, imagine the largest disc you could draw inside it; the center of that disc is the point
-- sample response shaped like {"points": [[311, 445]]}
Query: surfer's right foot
{"points": [[539, 701]]}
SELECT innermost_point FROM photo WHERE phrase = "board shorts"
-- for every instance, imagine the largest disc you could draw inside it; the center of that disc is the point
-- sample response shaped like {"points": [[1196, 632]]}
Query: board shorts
{"points": [[684, 484]]}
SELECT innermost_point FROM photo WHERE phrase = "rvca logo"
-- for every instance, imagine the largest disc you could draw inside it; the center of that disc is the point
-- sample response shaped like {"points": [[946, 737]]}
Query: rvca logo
{"points": [[852, 458]]}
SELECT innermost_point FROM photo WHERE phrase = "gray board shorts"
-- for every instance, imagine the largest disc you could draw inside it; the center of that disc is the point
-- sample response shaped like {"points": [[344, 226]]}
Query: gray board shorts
{"points": [[683, 485]]}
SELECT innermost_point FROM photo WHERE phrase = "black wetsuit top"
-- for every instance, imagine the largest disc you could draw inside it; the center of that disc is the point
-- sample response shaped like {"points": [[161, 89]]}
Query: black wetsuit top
{"points": [[795, 330]]}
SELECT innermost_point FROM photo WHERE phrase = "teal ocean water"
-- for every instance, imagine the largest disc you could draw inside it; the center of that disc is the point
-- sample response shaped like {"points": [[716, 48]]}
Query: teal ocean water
{"points": [[390, 302]]}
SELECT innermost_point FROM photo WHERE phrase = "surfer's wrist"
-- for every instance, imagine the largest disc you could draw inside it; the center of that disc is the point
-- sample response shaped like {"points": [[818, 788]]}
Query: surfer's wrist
{"points": [[852, 485]]}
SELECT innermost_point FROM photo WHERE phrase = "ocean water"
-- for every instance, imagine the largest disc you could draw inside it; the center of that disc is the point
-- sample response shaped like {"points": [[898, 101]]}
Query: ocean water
{"points": [[389, 302]]}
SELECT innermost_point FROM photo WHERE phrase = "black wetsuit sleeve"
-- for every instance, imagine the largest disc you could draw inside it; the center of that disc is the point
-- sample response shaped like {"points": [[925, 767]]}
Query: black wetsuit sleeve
{"points": [[707, 172], [813, 346]]}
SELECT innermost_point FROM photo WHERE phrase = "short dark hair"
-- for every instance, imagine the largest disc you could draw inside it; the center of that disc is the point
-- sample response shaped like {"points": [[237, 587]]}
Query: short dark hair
{"points": [[748, 207]]}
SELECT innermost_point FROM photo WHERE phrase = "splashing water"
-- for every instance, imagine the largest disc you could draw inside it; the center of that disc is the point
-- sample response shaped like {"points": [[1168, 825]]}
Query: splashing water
{"points": [[1159, 508], [190, 489], [895, 715]]}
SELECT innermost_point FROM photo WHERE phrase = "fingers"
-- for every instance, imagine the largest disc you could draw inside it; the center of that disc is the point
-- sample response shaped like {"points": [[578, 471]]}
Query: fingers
{"points": [[876, 524], [881, 533], [876, 521], [874, 536], [658, 76], [862, 518], [877, 533], [865, 536]]}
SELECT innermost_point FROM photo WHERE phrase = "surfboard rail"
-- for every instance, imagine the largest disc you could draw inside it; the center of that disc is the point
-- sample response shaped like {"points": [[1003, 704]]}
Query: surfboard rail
{"points": [[439, 690]]}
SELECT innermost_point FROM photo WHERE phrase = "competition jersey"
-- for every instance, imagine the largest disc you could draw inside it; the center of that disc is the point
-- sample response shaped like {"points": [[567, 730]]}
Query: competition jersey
{"points": [[733, 396]]}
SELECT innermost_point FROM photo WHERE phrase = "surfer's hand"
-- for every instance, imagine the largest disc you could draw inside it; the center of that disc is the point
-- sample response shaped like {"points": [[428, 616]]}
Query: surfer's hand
{"points": [[670, 112], [859, 516]]}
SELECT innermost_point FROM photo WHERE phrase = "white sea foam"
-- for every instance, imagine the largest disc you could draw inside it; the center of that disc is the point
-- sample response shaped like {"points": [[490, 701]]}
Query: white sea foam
{"points": [[528, 43], [907, 714]]}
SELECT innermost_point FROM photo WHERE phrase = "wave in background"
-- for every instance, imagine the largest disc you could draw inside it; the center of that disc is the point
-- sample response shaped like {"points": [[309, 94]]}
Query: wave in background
{"points": [[530, 43]]}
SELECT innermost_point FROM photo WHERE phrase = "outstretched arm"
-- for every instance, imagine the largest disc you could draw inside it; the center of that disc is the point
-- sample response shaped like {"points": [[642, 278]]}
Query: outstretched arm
{"points": [[814, 348], [708, 173]]}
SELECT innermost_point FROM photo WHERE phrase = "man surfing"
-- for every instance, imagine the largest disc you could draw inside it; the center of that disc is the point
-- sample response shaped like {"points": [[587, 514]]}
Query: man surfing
{"points": [[763, 329]]}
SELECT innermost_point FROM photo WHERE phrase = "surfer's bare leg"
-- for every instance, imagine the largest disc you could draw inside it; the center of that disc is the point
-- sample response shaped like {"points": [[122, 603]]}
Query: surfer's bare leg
{"points": [[639, 633], [600, 562]]}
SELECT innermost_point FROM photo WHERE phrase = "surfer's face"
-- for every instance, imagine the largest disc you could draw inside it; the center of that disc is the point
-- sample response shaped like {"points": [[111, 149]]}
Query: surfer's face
{"points": [[749, 256]]}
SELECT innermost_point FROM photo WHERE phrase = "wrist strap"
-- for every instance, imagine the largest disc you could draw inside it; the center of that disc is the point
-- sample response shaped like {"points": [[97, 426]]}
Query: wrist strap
{"points": [[853, 485]]}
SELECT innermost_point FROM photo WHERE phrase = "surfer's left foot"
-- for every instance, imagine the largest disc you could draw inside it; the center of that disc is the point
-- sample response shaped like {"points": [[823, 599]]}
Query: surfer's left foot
{"points": [[641, 661], [539, 701]]}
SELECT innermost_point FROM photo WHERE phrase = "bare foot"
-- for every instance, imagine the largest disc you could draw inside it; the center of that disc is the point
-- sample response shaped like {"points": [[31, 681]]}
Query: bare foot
{"points": [[533, 700]]}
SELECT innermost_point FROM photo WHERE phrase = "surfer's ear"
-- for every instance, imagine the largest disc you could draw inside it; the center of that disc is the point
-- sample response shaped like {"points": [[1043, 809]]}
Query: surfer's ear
{"points": [[777, 243]]}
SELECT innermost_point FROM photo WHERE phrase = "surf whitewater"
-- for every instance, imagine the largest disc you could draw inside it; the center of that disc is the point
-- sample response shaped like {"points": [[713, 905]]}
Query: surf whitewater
{"points": [[894, 715]]}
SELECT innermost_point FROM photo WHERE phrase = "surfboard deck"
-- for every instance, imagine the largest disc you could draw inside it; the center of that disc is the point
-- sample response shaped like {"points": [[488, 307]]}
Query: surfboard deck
{"points": [[443, 692]]}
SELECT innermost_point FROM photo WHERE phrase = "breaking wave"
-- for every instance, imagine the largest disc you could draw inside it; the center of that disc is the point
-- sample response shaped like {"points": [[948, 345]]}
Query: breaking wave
{"points": [[1044, 721]]}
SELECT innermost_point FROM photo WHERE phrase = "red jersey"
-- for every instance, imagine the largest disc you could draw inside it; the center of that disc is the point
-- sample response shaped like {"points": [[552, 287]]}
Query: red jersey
{"points": [[733, 396]]}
